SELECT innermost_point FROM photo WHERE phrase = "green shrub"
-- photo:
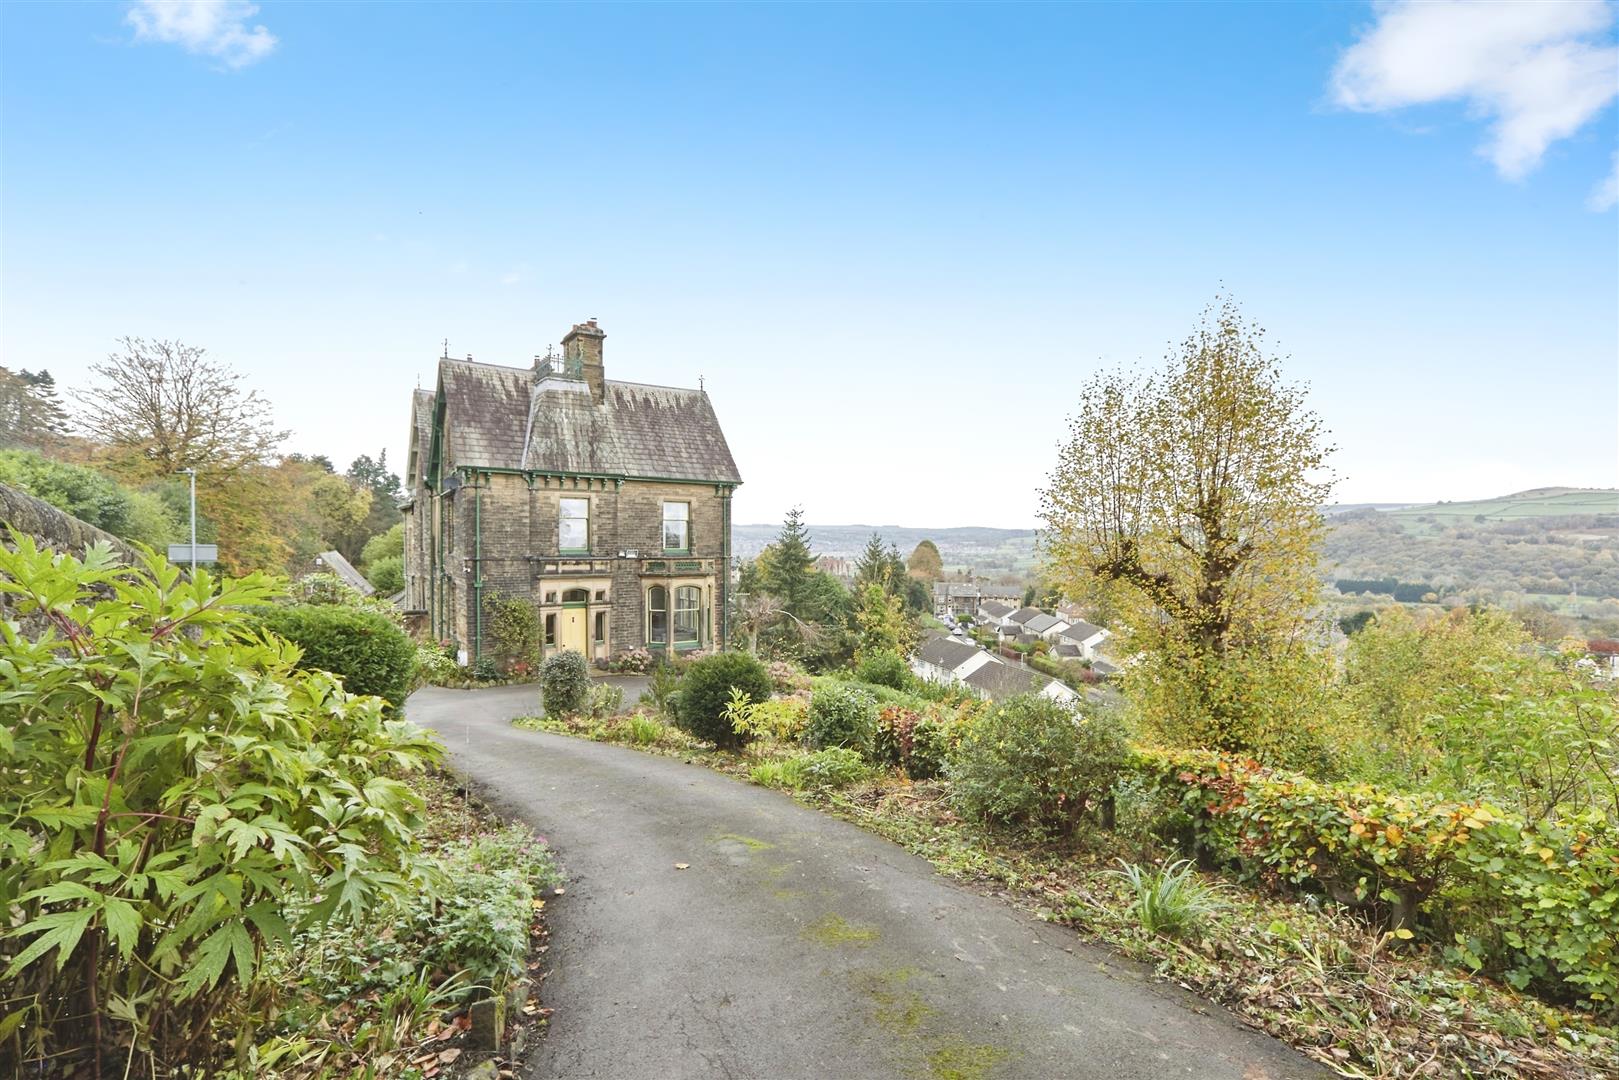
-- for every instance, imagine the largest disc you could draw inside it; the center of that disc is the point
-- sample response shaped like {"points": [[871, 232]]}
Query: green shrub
{"points": [[370, 653], [513, 626], [605, 700], [387, 575], [917, 742], [642, 730], [229, 785], [473, 924], [564, 684], [89, 496], [389, 544], [1170, 900], [779, 719], [663, 691], [434, 667], [779, 773], [1535, 903], [705, 694], [1033, 764], [836, 767], [885, 668], [842, 716]]}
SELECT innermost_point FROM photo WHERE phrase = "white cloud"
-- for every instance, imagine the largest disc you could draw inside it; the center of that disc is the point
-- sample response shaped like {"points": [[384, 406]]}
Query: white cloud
{"points": [[215, 28], [1539, 70], [1605, 196]]}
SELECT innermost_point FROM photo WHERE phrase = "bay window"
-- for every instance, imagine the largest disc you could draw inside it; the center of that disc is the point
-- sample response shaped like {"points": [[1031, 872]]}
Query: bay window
{"points": [[688, 625], [657, 615]]}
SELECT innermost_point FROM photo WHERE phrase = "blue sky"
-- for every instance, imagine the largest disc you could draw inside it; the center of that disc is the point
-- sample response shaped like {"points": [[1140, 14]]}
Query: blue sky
{"points": [[892, 240]]}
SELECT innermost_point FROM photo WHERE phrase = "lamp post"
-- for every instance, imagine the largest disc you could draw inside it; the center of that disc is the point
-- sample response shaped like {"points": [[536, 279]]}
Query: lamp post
{"points": [[192, 473]]}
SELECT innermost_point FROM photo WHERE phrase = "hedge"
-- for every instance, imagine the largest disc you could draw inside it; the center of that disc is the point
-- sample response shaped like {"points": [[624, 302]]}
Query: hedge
{"points": [[1535, 903], [372, 655]]}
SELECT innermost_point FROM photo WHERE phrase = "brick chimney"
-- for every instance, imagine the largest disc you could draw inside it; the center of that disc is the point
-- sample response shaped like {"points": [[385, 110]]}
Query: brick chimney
{"points": [[583, 345]]}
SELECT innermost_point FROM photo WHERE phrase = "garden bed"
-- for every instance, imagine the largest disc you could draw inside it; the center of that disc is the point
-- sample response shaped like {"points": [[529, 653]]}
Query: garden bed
{"points": [[428, 991]]}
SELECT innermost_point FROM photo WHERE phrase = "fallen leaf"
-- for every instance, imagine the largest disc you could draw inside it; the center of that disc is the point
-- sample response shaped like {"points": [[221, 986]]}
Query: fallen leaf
{"points": [[449, 1056], [560, 890], [682, 866]]}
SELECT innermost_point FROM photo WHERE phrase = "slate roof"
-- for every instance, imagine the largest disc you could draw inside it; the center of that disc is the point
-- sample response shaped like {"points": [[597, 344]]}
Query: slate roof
{"points": [[945, 652], [1081, 631], [421, 434], [1000, 681], [1103, 668], [1042, 622], [995, 609], [344, 569], [504, 417], [1066, 648], [1024, 614]]}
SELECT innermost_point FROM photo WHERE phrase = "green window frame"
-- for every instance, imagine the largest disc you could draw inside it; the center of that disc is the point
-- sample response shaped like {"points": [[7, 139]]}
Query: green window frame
{"points": [[573, 526], [676, 528]]}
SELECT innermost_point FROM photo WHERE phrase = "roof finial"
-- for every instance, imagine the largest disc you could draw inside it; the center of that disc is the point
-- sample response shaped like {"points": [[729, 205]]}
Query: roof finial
{"points": [[701, 385], [446, 354]]}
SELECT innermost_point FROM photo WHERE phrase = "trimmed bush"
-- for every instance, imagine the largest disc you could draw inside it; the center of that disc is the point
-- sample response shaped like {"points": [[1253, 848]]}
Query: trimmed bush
{"points": [[705, 692], [564, 684], [369, 653], [1535, 903], [1033, 765], [886, 668], [842, 715]]}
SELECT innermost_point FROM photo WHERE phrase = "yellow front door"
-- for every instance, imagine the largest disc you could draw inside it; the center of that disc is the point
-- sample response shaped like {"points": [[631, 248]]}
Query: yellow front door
{"points": [[572, 630]]}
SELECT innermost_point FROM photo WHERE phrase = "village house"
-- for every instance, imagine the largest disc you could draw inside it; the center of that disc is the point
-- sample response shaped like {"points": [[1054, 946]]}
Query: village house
{"points": [[945, 659], [954, 598], [993, 613], [604, 504]]}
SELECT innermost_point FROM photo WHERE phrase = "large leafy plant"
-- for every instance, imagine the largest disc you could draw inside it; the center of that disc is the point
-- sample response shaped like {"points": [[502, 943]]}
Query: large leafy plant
{"points": [[171, 787]]}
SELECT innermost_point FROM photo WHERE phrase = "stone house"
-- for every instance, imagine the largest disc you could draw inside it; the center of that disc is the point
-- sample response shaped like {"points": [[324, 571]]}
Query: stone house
{"points": [[604, 504]]}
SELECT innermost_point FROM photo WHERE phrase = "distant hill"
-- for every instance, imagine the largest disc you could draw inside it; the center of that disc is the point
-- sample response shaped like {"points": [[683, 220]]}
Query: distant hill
{"points": [[1536, 503], [1549, 542], [988, 552]]}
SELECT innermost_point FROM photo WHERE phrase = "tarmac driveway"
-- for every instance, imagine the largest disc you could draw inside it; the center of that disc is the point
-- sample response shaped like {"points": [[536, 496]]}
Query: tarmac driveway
{"points": [[793, 944]]}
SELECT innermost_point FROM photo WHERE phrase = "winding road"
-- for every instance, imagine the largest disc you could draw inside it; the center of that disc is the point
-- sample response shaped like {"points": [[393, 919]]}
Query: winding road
{"points": [[793, 944]]}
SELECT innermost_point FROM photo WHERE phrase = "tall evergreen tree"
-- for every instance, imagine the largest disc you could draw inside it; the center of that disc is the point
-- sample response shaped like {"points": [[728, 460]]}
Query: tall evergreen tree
{"points": [[791, 565], [872, 567]]}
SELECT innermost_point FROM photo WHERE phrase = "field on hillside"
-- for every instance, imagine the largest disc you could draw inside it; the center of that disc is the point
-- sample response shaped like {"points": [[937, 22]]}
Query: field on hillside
{"points": [[1539, 503]]}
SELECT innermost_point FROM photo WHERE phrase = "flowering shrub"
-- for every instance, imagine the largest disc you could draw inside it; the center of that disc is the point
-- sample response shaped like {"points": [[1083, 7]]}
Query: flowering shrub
{"points": [[787, 677], [629, 662], [1535, 903]]}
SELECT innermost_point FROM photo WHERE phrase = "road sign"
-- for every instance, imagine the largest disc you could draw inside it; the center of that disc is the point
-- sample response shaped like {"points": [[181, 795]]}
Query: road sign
{"points": [[181, 553]]}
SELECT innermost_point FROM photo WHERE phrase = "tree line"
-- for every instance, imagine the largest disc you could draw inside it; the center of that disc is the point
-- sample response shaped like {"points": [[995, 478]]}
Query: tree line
{"points": [[116, 453]]}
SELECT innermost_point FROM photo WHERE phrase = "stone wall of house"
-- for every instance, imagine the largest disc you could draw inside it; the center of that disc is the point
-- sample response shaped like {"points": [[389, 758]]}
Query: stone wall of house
{"points": [[517, 521]]}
